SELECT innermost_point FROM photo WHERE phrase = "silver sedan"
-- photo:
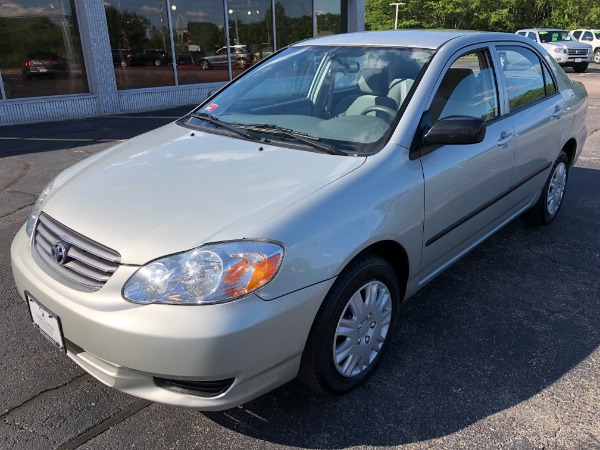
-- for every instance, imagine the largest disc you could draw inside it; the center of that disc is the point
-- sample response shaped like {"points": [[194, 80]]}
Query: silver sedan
{"points": [[273, 231]]}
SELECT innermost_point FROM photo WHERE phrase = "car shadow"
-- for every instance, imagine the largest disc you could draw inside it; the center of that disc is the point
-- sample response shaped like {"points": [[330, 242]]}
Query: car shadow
{"points": [[505, 323]]}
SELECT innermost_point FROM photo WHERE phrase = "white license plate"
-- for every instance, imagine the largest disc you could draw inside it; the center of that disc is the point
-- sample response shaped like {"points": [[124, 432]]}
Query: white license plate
{"points": [[577, 59], [43, 70], [46, 321]]}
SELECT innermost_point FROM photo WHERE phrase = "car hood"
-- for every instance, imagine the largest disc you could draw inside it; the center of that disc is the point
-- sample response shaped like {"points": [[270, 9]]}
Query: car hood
{"points": [[174, 189], [568, 44]]}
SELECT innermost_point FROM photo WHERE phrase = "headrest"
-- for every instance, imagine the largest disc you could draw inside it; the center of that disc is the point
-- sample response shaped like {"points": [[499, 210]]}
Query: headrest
{"points": [[403, 69], [373, 82]]}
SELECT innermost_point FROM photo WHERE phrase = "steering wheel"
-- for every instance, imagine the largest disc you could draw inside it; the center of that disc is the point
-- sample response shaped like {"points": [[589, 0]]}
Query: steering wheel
{"points": [[380, 108]]}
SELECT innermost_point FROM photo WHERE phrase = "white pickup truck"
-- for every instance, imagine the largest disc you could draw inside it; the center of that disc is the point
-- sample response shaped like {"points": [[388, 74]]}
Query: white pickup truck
{"points": [[562, 46]]}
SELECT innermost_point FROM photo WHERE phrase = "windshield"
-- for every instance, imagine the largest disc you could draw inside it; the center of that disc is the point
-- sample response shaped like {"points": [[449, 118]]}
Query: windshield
{"points": [[347, 97], [555, 36]]}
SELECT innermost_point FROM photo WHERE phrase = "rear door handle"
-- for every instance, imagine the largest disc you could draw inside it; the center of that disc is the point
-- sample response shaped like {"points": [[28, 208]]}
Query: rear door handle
{"points": [[557, 112], [505, 138]]}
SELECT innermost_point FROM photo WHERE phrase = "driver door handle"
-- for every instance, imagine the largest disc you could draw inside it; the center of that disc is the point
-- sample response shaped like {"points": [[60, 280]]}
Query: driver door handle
{"points": [[505, 138]]}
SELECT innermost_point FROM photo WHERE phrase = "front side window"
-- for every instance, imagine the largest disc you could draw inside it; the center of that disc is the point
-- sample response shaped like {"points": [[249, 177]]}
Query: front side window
{"points": [[40, 50], [576, 34], [527, 79], [347, 97], [468, 88]]}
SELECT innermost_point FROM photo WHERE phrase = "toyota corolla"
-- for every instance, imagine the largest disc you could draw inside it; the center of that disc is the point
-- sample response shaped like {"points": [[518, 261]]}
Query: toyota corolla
{"points": [[274, 230]]}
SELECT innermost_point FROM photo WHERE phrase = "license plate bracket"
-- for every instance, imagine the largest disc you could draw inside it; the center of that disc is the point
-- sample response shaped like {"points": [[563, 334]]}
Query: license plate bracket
{"points": [[46, 322]]}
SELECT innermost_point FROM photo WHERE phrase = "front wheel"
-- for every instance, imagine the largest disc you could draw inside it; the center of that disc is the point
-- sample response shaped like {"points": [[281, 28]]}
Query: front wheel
{"points": [[352, 328], [204, 65], [551, 198], [580, 68]]}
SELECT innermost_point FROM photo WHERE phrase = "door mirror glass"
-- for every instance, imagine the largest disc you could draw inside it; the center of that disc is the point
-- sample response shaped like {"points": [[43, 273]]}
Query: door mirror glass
{"points": [[456, 130]]}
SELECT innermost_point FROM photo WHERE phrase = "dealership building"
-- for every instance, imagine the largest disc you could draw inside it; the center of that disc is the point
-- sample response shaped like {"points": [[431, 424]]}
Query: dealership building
{"points": [[76, 58]]}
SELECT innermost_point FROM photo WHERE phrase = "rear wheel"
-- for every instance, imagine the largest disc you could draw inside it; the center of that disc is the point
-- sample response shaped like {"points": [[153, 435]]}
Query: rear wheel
{"points": [[353, 327], [597, 56], [551, 198], [241, 63], [157, 62], [580, 68]]}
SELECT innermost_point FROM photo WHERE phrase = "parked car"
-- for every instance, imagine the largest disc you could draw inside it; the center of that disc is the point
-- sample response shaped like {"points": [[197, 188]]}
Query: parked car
{"points": [[561, 46], [151, 57], [591, 37], [274, 231], [241, 56], [122, 57], [42, 64]]}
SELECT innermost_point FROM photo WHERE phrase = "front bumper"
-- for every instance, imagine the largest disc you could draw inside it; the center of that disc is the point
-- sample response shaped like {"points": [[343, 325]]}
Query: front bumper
{"points": [[257, 343]]}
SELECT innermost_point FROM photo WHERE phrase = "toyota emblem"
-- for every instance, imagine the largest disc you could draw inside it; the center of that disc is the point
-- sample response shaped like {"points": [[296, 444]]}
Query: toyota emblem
{"points": [[59, 253]]}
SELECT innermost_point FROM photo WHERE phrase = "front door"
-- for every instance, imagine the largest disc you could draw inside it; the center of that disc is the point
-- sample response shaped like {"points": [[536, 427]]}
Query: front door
{"points": [[465, 185]]}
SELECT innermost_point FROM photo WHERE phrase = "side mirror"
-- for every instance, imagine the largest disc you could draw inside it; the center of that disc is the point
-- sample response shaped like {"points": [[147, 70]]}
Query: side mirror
{"points": [[456, 130]]}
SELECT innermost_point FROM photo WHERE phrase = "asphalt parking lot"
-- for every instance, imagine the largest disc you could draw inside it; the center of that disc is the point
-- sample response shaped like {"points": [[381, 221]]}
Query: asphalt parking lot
{"points": [[500, 351]]}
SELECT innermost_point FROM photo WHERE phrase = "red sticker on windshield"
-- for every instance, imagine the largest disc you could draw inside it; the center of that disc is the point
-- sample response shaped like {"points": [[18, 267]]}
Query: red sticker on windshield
{"points": [[211, 107]]}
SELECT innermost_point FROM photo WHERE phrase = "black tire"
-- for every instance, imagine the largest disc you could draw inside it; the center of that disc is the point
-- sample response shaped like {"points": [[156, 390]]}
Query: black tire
{"points": [[242, 63], [318, 370], [204, 64], [545, 210], [157, 62], [597, 56], [580, 68]]}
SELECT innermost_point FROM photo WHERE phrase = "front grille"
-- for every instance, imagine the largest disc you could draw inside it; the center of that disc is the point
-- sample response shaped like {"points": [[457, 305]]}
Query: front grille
{"points": [[87, 263], [577, 51]]}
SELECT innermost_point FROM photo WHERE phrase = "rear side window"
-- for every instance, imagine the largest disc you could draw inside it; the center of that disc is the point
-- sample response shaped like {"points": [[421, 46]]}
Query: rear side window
{"points": [[527, 79]]}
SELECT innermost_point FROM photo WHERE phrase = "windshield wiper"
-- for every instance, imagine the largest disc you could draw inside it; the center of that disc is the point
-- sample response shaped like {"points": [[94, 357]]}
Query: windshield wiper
{"points": [[305, 138], [233, 128]]}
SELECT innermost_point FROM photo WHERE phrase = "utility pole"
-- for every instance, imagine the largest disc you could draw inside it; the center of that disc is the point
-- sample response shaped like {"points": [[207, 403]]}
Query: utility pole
{"points": [[396, 5]]}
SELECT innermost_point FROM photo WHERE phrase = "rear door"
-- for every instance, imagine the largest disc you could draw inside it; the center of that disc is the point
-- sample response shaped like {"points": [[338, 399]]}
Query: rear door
{"points": [[539, 117]]}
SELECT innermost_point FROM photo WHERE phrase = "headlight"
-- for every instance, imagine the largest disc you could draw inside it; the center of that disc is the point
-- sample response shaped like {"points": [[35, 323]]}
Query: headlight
{"points": [[37, 208], [560, 50], [214, 273]]}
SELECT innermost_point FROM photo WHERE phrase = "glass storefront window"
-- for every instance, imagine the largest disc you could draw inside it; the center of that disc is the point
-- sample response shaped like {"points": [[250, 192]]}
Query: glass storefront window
{"points": [[40, 49], [140, 42], [199, 34], [328, 16], [250, 32], [294, 21]]}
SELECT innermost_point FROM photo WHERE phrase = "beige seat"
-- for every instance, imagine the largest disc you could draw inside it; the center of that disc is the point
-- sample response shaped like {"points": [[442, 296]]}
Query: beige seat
{"points": [[401, 76], [373, 86]]}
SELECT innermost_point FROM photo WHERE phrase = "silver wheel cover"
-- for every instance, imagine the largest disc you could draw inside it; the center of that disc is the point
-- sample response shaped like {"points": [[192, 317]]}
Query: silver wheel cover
{"points": [[362, 329], [556, 188], [597, 57]]}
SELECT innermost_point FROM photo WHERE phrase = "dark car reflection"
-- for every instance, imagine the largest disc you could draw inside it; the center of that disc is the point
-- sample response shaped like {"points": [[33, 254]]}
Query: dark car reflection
{"points": [[43, 64]]}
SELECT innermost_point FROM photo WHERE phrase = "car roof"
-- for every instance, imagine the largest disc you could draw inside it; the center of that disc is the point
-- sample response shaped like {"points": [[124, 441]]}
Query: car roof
{"points": [[427, 39]]}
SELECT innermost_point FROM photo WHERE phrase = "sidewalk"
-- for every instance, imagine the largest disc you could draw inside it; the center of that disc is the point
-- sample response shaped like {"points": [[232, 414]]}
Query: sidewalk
{"points": [[46, 136]]}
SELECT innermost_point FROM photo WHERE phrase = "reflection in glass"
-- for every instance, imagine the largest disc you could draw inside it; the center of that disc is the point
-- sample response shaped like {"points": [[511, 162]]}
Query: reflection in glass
{"points": [[250, 31], [199, 32], [294, 21], [328, 15], [140, 42], [40, 49]]}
